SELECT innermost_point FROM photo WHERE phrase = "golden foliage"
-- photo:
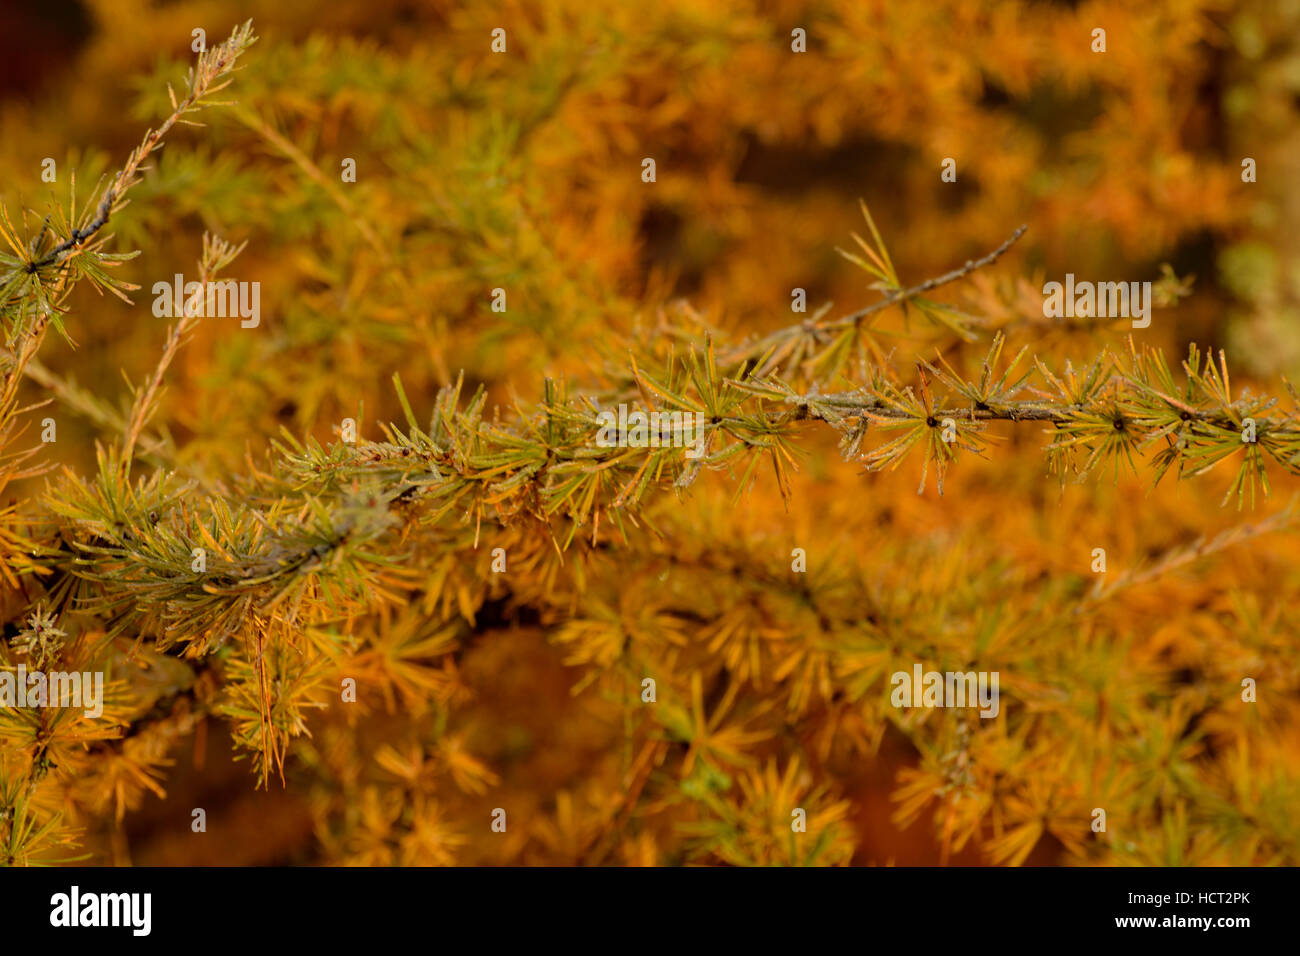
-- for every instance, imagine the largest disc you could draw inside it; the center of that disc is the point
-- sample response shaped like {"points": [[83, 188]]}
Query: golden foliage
{"points": [[617, 645]]}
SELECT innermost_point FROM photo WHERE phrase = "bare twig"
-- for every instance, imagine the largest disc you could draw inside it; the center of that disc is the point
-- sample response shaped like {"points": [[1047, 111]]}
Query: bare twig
{"points": [[928, 285], [217, 254], [819, 329], [1180, 557]]}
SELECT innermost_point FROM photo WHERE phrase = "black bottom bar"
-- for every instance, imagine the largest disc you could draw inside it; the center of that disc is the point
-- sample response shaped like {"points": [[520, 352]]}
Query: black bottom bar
{"points": [[495, 906]]}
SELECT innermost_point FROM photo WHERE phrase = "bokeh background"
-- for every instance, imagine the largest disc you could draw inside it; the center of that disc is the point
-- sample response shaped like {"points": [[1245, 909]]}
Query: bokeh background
{"points": [[523, 171]]}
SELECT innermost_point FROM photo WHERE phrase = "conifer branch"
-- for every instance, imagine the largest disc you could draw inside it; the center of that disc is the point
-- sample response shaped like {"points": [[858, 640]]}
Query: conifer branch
{"points": [[211, 67], [929, 285], [205, 78], [369, 559], [772, 348], [217, 254], [1180, 557], [313, 172]]}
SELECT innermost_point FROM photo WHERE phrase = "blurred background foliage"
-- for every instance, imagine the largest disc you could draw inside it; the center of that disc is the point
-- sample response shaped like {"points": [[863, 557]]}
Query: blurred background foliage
{"points": [[522, 171]]}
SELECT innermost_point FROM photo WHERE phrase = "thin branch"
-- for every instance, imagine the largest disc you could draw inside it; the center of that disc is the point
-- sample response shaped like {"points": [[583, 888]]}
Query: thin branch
{"points": [[858, 403], [928, 285], [1180, 557], [811, 326], [212, 65], [331, 188], [217, 254]]}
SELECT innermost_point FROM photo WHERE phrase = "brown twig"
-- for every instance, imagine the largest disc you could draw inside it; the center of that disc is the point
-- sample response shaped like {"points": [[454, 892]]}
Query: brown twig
{"points": [[216, 255], [811, 326], [928, 285]]}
